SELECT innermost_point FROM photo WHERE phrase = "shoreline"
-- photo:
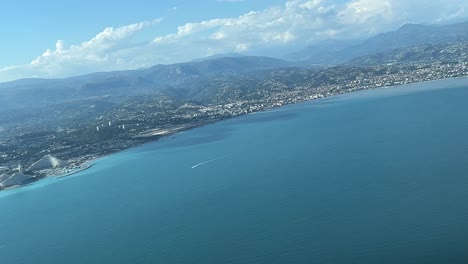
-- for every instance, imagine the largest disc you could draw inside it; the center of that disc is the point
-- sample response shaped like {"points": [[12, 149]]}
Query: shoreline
{"points": [[164, 133], [39, 178], [274, 108], [86, 167]]}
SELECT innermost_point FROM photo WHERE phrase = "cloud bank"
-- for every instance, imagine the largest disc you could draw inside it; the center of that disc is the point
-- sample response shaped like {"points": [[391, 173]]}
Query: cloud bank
{"points": [[294, 24]]}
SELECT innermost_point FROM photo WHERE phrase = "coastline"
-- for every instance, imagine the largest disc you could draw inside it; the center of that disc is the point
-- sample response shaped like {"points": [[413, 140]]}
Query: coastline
{"points": [[87, 165], [191, 126], [151, 139], [83, 168], [157, 134]]}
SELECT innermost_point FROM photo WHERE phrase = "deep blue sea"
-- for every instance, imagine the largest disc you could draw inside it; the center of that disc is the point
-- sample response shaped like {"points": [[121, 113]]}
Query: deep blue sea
{"points": [[377, 176]]}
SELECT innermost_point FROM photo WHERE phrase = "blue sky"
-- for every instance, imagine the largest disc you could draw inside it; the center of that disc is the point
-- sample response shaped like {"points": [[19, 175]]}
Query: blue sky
{"points": [[33, 26], [51, 39]]}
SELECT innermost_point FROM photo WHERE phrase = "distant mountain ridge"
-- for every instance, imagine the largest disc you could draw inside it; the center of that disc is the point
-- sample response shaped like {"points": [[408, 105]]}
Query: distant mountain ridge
{"points": [[34, 92], [176, 73], [97, 92], [412, 34], [217, 56], [323, 52], [406, 36], [429, 53]]}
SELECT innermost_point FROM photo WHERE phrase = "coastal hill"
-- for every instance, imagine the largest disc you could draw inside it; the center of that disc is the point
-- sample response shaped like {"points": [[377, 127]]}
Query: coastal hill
{"points": [[180, 72], [28, 93]]}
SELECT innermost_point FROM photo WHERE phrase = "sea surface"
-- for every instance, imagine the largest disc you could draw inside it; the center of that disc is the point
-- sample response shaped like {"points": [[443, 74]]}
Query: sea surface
{"points": [[378, 176]]}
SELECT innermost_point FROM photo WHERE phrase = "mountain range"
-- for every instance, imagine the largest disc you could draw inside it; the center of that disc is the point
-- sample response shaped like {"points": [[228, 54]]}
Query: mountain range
{"points": [[334, 52], [428, 53], [38, 92], [92, 94]]}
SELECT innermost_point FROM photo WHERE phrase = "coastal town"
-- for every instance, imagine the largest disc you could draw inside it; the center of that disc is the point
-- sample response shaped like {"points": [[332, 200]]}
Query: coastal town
{"points": [[73, 146]]}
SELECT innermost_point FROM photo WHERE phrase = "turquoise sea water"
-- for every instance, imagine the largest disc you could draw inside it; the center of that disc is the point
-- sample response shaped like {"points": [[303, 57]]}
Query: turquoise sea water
{"points": [[371, 177]]}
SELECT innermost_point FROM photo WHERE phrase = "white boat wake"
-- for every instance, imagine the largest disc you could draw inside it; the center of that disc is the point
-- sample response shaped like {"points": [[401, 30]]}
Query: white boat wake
{"points": [[208, 161]]}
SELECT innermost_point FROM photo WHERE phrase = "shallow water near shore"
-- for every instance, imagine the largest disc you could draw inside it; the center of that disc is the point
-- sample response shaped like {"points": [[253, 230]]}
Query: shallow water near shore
{"points": [[371, 177]]}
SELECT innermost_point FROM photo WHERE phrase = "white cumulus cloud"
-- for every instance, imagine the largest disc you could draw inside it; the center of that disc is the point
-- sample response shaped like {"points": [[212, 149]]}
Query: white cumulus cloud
{"points": [[293, 24]]}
